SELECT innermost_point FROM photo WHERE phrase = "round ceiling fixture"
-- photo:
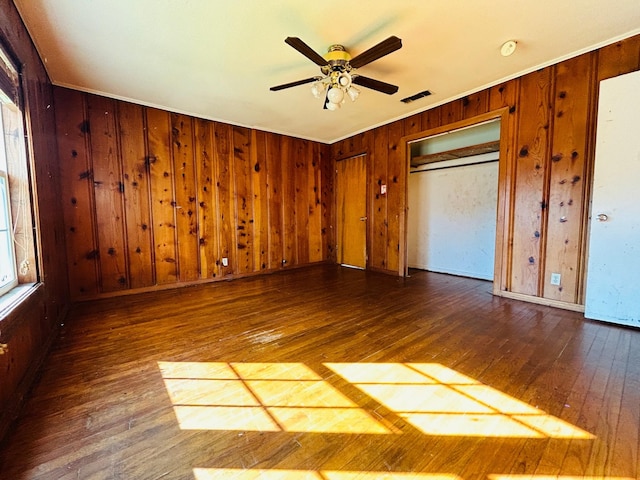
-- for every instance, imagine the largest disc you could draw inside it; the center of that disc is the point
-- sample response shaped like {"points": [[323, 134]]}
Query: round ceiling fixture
{"points": [[508, 48]]}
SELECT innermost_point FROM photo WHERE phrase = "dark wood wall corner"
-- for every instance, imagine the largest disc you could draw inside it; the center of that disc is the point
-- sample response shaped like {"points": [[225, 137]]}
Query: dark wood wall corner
{"points": [[35, 323]]}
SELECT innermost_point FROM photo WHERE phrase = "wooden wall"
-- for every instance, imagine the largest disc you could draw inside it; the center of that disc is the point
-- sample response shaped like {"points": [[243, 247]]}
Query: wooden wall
{"points": [[28, 329], [153, 199], [546, 168]]}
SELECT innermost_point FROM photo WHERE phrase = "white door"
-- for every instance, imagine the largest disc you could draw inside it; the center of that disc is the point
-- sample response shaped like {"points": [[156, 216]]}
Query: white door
{"points": [[613, 266]]}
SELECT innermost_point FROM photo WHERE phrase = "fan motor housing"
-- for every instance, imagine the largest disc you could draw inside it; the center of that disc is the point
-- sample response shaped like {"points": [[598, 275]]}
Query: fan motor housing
{"points": [[337, 56]]}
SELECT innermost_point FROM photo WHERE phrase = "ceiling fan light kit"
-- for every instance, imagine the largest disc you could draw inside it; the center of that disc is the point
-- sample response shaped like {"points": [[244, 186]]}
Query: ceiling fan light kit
{"points": [[339, 71]]}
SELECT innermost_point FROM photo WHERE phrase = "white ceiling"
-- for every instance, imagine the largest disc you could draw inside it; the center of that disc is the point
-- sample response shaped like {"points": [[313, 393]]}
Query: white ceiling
{"points": [[217, 59]]}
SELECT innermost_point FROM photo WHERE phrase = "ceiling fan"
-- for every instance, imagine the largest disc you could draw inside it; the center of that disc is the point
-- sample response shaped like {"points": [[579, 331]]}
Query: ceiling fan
{"points": [[339, 71]]}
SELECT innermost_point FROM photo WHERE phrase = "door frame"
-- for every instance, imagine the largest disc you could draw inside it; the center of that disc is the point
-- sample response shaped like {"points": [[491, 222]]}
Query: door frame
{"points": [[367, 203], [501, 271]]}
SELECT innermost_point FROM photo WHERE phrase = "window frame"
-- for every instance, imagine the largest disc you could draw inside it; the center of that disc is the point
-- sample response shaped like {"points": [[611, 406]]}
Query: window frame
{"points": [[17, 165]]}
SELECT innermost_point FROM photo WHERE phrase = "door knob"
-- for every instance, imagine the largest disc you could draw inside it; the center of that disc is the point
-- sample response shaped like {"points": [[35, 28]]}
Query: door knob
{"points": [[602, 217], [363, 219]]}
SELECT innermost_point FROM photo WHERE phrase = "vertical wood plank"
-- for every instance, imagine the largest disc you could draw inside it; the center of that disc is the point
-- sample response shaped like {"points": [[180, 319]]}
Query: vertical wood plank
{"points": [[76, 179], [505, 96], [274, 198], [451, 112], [529, 201], [573, 88], [108, 190], [378, 223], [475, 104], [412, 124], [431, 118], [243, 199], [396, 171], [135, 168], [259, 185], [207, 199], [314, 193], [186, 205], [288, 151], [303, 153], [226, 196], [619, 58], [327, 166], [338, 149], [162, 195]]}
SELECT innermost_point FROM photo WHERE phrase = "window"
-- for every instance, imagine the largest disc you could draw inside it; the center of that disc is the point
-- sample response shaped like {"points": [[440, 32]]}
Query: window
{"points": [[8, 274], [17, 245]]}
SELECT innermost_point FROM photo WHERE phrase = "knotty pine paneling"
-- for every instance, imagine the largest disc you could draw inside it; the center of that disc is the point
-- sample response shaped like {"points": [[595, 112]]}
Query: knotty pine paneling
{"points": [[155, 199], [275, 201], [431, 119], [136, 186], [206, 171], [301, 181], [28, 330], [226, 197], [574, 84], [260, 186], [314, 191], [243, 200], [163, 212], [289, 244], [76, 183], [396, 196], [530, 170], [545, 173], [186, 208], [378, 223], [108, 192], [327, 168], [475, 104], [619, 58], [505, 96]]}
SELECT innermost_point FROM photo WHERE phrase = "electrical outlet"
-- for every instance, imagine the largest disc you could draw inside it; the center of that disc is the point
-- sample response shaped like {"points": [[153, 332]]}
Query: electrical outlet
{"points": [[555, 279], [225, 262]]}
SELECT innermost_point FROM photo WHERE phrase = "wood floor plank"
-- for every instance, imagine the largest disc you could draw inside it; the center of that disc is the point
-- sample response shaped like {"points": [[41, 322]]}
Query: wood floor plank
{"points": [[157, 385]]}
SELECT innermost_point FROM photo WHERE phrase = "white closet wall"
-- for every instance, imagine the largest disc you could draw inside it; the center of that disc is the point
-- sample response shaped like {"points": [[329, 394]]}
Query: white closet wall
{"points": [[452, 216]]}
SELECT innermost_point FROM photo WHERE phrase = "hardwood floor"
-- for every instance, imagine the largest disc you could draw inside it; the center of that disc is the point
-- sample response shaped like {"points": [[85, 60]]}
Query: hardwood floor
{"points": [[335, 374]]}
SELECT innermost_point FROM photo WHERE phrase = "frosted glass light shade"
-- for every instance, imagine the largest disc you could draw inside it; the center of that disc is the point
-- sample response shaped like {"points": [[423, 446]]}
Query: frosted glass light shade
{"points": [[317, 89], [353, 93], [335, 95]]}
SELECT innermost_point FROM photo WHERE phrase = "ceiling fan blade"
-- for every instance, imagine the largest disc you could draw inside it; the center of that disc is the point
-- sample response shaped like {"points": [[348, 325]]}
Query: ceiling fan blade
{"points": [[375, 84], [385, 47], [306, 50], [293, 84]]}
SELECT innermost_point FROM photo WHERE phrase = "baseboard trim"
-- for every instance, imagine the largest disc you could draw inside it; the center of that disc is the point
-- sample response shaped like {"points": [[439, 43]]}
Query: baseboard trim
{"points": [[542, 301]]}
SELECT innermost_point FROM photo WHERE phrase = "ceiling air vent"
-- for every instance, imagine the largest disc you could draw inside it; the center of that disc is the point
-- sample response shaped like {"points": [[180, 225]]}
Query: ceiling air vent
{"points": [[410, 99]]}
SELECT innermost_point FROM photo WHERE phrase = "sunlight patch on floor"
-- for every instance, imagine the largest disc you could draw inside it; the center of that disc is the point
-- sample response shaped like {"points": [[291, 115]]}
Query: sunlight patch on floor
{"points": [[265, 397], [554, 477], [438, 400], [255, 474], [291, 397]]}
